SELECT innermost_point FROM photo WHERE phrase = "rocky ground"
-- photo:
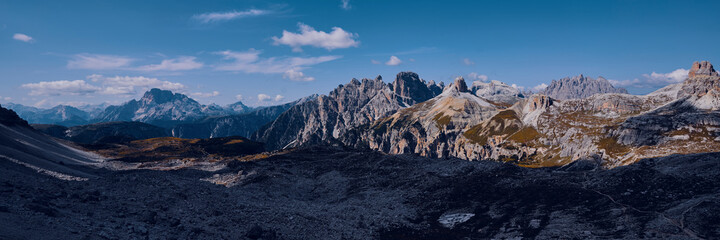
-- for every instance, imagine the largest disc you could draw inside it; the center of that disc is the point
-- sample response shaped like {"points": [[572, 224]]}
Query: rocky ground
{"points": [[339, 193]]}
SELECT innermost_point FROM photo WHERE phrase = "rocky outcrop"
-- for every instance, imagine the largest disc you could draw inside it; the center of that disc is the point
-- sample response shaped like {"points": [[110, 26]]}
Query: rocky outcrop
{"points": [[410, 89], [10, 118], [459, 85], [496, 91], [579, 87], [360, 102], [702, 68], [702, 79]]}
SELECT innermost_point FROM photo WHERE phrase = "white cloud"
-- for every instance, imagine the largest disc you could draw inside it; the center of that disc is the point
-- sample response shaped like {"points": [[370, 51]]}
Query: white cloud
{"points": [[6, 98], [540, 87], [264, 97], [394, 61], [521, 88], [22, 37], [653, 79], [205, 95], [294, 75], [279, 97], [127, 85], [373, 61], [117, 85], [345, 5], [176, 64], [63, 87], [467, 61], [250, 62], [476, 76], [98, 62], [308, 36], [239, 97], [227, 16]]}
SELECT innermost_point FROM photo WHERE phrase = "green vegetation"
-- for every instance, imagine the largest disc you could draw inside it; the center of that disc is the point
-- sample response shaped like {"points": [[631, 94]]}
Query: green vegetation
{"points": [[612, 147], [503, 123], [441, 120], [525, 135]]}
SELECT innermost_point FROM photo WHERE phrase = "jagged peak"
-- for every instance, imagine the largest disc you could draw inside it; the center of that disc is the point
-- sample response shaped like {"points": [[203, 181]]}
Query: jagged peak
{"points": [[702, 79], [354, 81], [407, 75], [458, 85], [702, 68]]}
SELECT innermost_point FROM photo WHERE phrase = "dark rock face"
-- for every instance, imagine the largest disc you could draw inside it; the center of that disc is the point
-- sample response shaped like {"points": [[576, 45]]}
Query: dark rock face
{"points": [[10, 118], [579, 87], [357, 103], [435, 88], [57, 131], [410, 89]]}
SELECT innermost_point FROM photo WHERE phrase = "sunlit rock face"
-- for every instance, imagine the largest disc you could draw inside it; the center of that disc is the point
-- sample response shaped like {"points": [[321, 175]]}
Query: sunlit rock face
{"points": [[579, 87]]}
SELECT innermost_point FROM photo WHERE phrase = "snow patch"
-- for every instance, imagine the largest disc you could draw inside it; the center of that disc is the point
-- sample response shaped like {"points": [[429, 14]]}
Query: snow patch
{"points": [[54, 174], [450, 220]]}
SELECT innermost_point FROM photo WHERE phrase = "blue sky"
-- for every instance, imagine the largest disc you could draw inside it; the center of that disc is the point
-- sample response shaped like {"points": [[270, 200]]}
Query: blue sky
{"points": [[78, 52]]}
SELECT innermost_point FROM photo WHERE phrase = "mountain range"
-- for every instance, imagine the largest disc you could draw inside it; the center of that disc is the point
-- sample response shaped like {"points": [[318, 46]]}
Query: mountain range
{"points": [[574, 118], [403, 157]]}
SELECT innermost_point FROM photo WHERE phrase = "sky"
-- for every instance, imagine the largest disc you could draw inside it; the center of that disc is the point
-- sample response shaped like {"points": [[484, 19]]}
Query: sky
{"points": [[271, 52]]}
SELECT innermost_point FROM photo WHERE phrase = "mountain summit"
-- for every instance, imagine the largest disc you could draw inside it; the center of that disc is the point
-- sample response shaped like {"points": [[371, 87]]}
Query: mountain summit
{"points": [[161, 107], [579, 87], [359, 102], [702, 68]]}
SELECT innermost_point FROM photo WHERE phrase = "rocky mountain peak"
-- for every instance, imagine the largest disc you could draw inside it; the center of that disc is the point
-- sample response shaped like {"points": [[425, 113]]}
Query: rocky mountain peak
{"points": [[159, 96], [354, 81], [538, 102], [702, 68], [459, 85], [579, 87], [409, 86], [701, 80]]}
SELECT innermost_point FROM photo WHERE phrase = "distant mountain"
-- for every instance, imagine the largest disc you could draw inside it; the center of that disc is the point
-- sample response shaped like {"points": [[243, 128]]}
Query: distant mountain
{"points": [[348, 106], [60, 115], [239, 108], [162, 108], [93, 110], [234, 125], [108, 132], [579, 87]]}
